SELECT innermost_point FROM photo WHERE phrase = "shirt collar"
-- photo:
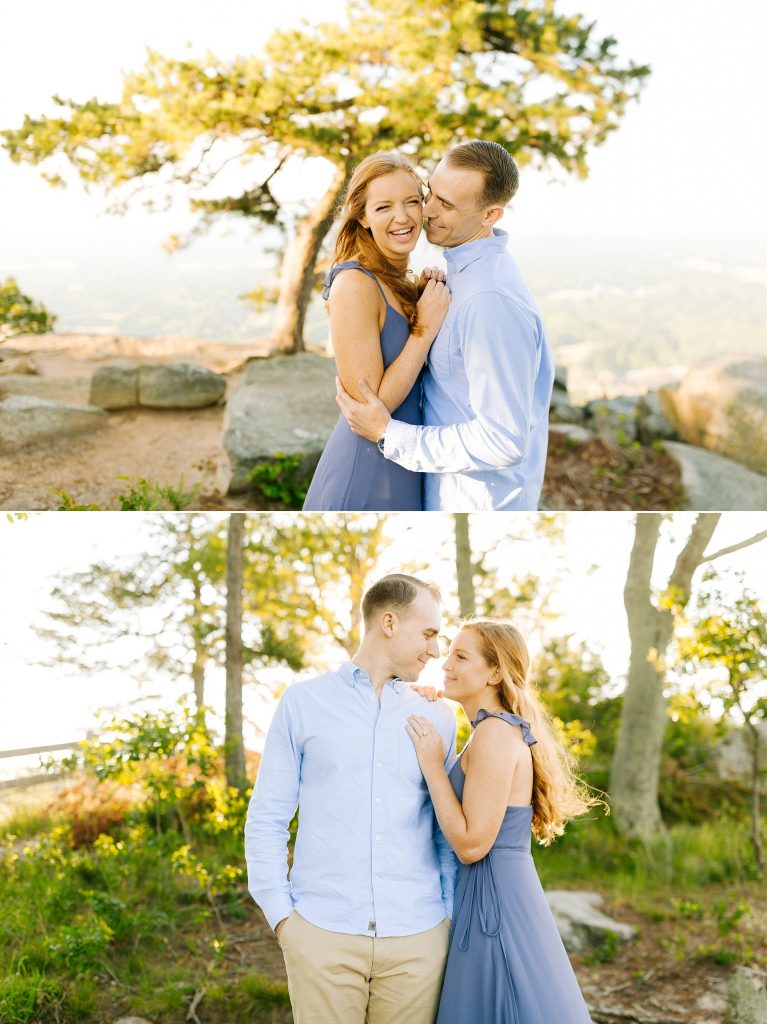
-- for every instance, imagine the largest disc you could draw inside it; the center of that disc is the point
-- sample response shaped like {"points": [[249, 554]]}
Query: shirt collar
{"points": [[460, 256], [353, 675]]}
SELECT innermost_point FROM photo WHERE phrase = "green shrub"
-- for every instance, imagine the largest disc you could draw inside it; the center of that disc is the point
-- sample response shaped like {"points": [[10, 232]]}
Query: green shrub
{"points": [[283, 479]]}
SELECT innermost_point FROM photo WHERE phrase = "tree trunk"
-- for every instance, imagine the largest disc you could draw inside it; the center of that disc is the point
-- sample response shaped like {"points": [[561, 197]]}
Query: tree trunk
{"points": [[464, 567], [297, 275], [198, 668], [756, 834], [636, 762], [233, 742]]}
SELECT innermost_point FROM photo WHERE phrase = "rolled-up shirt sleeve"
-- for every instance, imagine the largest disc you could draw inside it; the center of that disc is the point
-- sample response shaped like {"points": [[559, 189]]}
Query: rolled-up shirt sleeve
{"points": [[272, 806], [502, 351]]}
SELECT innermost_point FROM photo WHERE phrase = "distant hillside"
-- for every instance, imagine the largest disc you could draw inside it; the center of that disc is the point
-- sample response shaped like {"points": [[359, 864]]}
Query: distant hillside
{"points": [[615, 318]]}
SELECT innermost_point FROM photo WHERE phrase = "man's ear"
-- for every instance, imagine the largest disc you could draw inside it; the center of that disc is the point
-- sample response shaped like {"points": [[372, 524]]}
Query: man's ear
{"points": [[388, 623], [492, 215]]}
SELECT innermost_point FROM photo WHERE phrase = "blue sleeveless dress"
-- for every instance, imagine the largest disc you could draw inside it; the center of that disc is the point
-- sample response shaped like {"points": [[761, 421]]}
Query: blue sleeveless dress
{"points": [[352, 473], [506, 963]]}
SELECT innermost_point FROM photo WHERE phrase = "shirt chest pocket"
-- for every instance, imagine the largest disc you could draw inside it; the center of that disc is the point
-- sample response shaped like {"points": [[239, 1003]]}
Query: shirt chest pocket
{"points": [[445, 351]]}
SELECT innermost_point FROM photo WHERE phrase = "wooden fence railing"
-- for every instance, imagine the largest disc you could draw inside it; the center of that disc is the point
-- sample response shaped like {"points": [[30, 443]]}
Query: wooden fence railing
{"points": [[24, 781]]}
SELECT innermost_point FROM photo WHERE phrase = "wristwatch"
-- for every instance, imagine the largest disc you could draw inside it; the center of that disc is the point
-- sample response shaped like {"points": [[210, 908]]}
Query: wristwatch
{"points": [[380, 443]]}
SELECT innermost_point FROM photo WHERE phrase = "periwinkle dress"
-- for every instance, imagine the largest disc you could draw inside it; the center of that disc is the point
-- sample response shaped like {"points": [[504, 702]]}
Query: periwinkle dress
{"points": [[506, 963], [352, 473]]}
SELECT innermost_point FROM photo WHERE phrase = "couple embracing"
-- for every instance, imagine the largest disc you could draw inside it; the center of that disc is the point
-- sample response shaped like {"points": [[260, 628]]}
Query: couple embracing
{"points": [[444, 383], [413, 896]]}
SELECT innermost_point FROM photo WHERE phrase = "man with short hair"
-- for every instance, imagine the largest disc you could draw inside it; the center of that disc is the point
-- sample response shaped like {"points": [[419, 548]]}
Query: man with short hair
{"points": [[363, 921], [487, 389]]}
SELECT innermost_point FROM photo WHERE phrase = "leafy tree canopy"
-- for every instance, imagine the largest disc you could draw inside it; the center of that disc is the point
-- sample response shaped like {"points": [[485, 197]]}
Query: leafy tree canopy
{"points": [[394, 74]]}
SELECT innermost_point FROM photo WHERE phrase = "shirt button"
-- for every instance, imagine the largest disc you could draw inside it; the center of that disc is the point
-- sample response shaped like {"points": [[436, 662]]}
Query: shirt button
{"points": [[378, 837], [378, 764], [378, 799], [371, 698], [376, 876]]}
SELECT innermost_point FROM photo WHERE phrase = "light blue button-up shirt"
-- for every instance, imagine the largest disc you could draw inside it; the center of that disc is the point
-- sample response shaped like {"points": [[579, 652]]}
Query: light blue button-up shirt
{"points": [[486, 393], [369, 857]]}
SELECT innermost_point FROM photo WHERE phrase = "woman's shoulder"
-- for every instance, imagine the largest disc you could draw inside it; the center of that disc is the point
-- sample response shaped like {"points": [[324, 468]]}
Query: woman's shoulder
{"points": [[350, 280], [493, 727]]}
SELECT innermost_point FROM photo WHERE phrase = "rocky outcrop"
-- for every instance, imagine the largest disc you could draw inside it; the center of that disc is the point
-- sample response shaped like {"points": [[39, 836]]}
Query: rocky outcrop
{"points": [[158, 386], [734, 755], [25, 419], [115, 386], [285, 405], [747, 997], [614, 418], [179, 386], [716, 484], [581, 923], [721, 405], [623, 419]]}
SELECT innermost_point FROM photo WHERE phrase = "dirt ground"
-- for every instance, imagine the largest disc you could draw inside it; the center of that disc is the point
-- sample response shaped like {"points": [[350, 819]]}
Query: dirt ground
{"points": [[649, 980], [160, 445]]}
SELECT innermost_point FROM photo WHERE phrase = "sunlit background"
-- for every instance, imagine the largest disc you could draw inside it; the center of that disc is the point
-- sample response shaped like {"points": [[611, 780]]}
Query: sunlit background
{"points": [[653, 261], [576, 563]]}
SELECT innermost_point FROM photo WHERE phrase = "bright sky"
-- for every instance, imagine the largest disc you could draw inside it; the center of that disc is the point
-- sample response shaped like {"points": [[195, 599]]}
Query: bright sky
{"points": [[44, 705], [688, 160]]}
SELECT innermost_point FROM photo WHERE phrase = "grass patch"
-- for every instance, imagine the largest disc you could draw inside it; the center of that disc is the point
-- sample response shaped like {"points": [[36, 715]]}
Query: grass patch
{"points": [[688, 859]]}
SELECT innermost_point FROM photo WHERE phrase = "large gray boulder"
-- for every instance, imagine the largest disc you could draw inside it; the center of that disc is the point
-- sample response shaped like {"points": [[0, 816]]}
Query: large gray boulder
{"points": [[721, 404], [572, 431], [581, 923], [615, 418], [734, 755], [716, 484], [25, 419], [179, 386], [747, 997], [652, 423], [285, 404], [115, 386]]}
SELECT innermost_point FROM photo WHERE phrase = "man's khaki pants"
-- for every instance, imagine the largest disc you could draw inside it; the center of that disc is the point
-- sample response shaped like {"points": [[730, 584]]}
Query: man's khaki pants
{"points": [[358, 979]]}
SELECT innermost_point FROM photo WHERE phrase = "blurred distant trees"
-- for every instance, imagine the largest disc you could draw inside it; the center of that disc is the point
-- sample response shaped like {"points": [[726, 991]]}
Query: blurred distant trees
{"points": [[393, 75], [730, 638], [480, 590], [19, 314], [165, 610]]}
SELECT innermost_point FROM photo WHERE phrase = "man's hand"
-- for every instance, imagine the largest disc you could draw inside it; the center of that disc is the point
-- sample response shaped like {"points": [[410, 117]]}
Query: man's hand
{"points": [[430, 274], [369, 418], [429, 692]]}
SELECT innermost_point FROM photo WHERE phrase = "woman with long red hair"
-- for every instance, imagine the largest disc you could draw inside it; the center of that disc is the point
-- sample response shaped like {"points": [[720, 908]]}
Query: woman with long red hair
{"points": [[506, 962], [382, 324]]}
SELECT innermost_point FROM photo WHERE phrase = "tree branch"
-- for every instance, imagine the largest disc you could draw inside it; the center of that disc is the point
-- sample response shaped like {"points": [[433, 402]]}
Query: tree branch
{"points": [[736, 547]]}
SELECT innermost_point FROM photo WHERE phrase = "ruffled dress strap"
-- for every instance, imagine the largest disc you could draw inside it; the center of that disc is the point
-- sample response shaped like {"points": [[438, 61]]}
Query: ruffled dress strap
{"points": [[348, 265], [527, 735]]}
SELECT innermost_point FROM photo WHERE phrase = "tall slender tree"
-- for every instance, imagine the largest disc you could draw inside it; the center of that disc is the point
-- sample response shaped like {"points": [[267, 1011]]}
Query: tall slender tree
{"points": [[234, 748], [464, 566]]}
